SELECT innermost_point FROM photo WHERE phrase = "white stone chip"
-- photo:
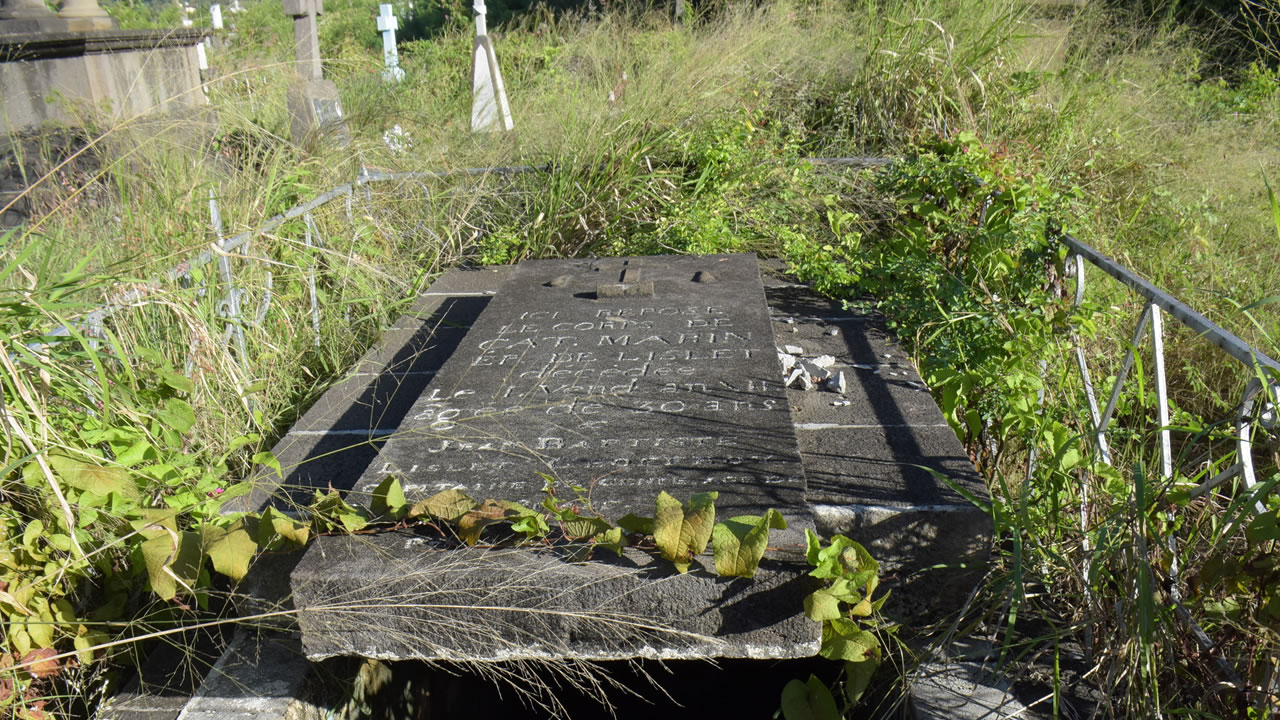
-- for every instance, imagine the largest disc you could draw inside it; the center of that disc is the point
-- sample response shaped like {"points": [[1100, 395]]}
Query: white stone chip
{"points": [[824, 361], [833, 331], [793, 380], [836, 383], [794, 349], [789, 321], [840, 403], [788, 361]]}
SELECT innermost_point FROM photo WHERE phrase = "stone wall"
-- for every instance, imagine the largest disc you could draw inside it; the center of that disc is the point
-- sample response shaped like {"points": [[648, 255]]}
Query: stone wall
{"points": [[127, 73]]}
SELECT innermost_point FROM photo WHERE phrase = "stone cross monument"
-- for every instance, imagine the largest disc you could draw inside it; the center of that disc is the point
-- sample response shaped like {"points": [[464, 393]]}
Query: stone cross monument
{"points": [[489, 108], [313, 101], [387, 25]]}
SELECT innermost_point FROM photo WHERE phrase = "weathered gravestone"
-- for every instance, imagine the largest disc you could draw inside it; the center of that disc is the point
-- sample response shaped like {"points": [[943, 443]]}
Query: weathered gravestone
{"points": [[313, 102], [625, 377]]}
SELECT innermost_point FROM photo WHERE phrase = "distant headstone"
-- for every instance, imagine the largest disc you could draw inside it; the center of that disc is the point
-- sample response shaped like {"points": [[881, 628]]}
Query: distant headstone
{"points": [[489, 108], [215, 12], [387, 25], [313, 101], [673, 387]]}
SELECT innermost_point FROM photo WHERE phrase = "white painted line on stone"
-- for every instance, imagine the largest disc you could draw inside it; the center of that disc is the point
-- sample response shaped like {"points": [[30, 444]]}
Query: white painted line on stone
{"points": [[399, 373], [375, 431], [486, 293], [840, 426]]}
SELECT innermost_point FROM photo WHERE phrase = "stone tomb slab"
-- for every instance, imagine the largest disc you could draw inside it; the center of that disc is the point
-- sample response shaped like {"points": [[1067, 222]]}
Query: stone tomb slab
{"points": [[624, 376]]}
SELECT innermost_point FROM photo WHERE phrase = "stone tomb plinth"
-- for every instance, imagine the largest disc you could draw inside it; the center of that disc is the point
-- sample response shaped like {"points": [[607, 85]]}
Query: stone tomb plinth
{"points": [[624, 377]]}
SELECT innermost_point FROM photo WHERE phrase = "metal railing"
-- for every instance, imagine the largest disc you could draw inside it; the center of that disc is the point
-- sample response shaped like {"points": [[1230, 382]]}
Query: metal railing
{"points": [[226, 249], [1257, 407]]}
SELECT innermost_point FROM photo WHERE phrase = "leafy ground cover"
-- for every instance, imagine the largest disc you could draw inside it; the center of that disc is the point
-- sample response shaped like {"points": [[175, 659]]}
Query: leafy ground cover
{"points": [[1110, 124]]}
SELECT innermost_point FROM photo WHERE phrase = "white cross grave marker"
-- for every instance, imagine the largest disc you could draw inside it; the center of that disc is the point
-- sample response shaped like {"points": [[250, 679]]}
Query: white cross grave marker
{"points": [[387, 25], [215, 10], [489, 108]]}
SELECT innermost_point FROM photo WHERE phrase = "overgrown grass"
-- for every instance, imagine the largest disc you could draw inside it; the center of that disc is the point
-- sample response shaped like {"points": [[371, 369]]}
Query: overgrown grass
{"points": [[1098, 118]]}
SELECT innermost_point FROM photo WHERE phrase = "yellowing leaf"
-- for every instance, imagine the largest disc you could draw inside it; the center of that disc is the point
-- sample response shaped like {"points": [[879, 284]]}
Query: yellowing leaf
{"points": [[274, 524], [681, 533], [93, 478], [740, 542], [85, 641], [822, 605], [471, 524], [230, 548], [172, 560], [844, 640], [449, 506]]}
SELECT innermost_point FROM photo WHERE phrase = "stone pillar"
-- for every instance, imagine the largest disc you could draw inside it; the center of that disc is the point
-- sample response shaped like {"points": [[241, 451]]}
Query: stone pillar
{"points": [[306, 39], [82, 9], [215, 14]]}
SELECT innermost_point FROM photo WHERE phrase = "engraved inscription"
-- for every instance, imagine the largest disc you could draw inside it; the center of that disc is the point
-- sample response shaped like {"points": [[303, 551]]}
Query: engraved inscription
{"points": [[621, 395]]}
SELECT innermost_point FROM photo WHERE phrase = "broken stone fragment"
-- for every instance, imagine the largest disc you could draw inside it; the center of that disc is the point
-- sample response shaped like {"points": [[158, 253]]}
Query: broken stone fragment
{"points": [[840, 403], [833, 331], [793, 380], [824, 361], [835, 383], [815, 371], [794, 349], [788, 361]]}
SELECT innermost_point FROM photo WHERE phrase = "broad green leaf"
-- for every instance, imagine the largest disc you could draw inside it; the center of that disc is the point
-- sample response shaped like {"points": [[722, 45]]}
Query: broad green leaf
{"points": [[136, 453], [93, 478], [821, 605], [353, 521], [178, 382], [172, 560], [230, 548], [635, 524], [526, 520], [35, 529], [577, 526], [177, 414], [739, 543], [87, 639], [1262, 528], [611, 539], [448, 505], [268, 458], [844, 640], [682, 533], [275, 524], [388, 498], [810, 700], [856, 678]]}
